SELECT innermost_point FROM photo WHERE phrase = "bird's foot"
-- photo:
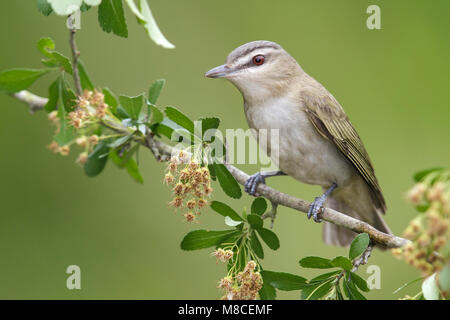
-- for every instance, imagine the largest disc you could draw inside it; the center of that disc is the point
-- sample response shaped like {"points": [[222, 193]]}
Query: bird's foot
{"points": [[316, 207], [252, 182], [271, 214]]}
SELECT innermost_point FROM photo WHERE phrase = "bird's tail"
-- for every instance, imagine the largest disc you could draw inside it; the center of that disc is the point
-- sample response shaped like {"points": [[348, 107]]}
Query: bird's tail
{"points": [[340, 236]]}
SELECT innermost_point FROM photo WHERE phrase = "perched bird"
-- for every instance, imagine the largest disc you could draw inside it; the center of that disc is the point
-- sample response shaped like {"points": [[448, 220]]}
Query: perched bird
{"points": [[317, 143]]}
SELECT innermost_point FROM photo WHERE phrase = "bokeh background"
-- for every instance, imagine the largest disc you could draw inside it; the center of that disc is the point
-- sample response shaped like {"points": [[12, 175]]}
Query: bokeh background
{"points": [[393, 83]]}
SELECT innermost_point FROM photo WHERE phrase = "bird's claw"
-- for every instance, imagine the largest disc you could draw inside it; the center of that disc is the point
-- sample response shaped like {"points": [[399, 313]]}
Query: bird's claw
{"points": [[315, 208], [252, 182]]}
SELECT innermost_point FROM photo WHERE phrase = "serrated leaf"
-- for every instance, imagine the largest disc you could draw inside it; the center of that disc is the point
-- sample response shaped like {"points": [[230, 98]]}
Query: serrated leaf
{"points": [[269, 237], [342, 262], [150, 25], [259, 206], [284, 281], [227, 181], [316, 263], [14, 80], [255, 221], [179, 118], [256, 245], [225, 210], [44, 7], [358, 245], [359, 282], [430, 289], [201, 239], [267, 292], [155, 90], [111, 17], [132, 105], [97, 159]]}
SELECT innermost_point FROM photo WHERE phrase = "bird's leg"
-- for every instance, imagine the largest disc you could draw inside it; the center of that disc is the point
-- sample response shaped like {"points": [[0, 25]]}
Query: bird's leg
{"points": [[271, 214], [259, 177], [318, 202]]}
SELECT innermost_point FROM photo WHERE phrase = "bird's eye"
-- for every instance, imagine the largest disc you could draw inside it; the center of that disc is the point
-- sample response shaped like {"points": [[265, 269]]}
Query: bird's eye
{"points": [[258, 60]]}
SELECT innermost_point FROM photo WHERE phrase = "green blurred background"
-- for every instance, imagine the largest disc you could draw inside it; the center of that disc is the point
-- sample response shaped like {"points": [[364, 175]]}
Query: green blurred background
{"points": [[393, 83]]}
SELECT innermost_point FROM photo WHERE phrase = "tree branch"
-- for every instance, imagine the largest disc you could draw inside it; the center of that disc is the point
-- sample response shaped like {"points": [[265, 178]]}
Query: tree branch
{"points": [[75, 55], [162, 152]]}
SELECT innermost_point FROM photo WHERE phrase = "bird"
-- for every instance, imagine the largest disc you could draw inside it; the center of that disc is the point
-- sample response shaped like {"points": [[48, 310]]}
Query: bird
{"points": [[318, 145]]}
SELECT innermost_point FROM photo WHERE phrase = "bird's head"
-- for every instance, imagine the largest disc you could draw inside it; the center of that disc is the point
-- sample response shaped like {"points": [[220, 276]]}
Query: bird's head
{"points": [[259, 69]]}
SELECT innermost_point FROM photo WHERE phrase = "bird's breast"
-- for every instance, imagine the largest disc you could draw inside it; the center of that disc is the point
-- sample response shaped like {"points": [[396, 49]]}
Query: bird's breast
{"points": [[300, 151]]}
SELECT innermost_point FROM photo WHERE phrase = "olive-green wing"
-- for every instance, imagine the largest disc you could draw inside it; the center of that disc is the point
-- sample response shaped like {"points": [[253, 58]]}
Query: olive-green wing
{"points": [[332, 123]]}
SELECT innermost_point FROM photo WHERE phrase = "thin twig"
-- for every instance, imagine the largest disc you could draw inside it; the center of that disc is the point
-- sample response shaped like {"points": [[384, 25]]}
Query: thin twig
{"points": [[75, 56], [163, 152]]}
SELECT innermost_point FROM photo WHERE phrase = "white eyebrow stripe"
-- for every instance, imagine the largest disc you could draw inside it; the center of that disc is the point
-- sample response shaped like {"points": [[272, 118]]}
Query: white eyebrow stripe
{"points": [[245, 59]]}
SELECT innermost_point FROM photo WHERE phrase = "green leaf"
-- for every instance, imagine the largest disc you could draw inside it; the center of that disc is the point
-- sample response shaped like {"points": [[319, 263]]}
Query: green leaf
{"points": [[430, 289], [325, 276], [255, 221], [126, 161], [422, 174], [150, 25], [53, 96], [132, 105], [407, 284], [66, 102], [342, 262], [201, 239], [359, 245], [14, 80], [256, 245], [46, 46], [44, 7], [259, 206], [359, 282], [269, 237], [225, 210], [155, 90], [316, 263], [120, 141], [97, 160], [110, 99], [444, 278], [179, 118], [54, 58], [86, 83], [227, 181], [351, 291], [267, 292], [232, 223], [317, 290], [157, 115], [111, 17], [209, 123], [284, 281]]}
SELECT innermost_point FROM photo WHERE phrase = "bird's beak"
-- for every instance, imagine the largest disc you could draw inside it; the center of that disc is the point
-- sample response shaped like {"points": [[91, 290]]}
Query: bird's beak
{"points": [[219, 72]]}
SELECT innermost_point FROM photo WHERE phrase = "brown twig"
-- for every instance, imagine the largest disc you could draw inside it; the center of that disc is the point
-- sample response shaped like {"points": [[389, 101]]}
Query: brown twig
{"points": [[75, 56], [163, 152]]}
